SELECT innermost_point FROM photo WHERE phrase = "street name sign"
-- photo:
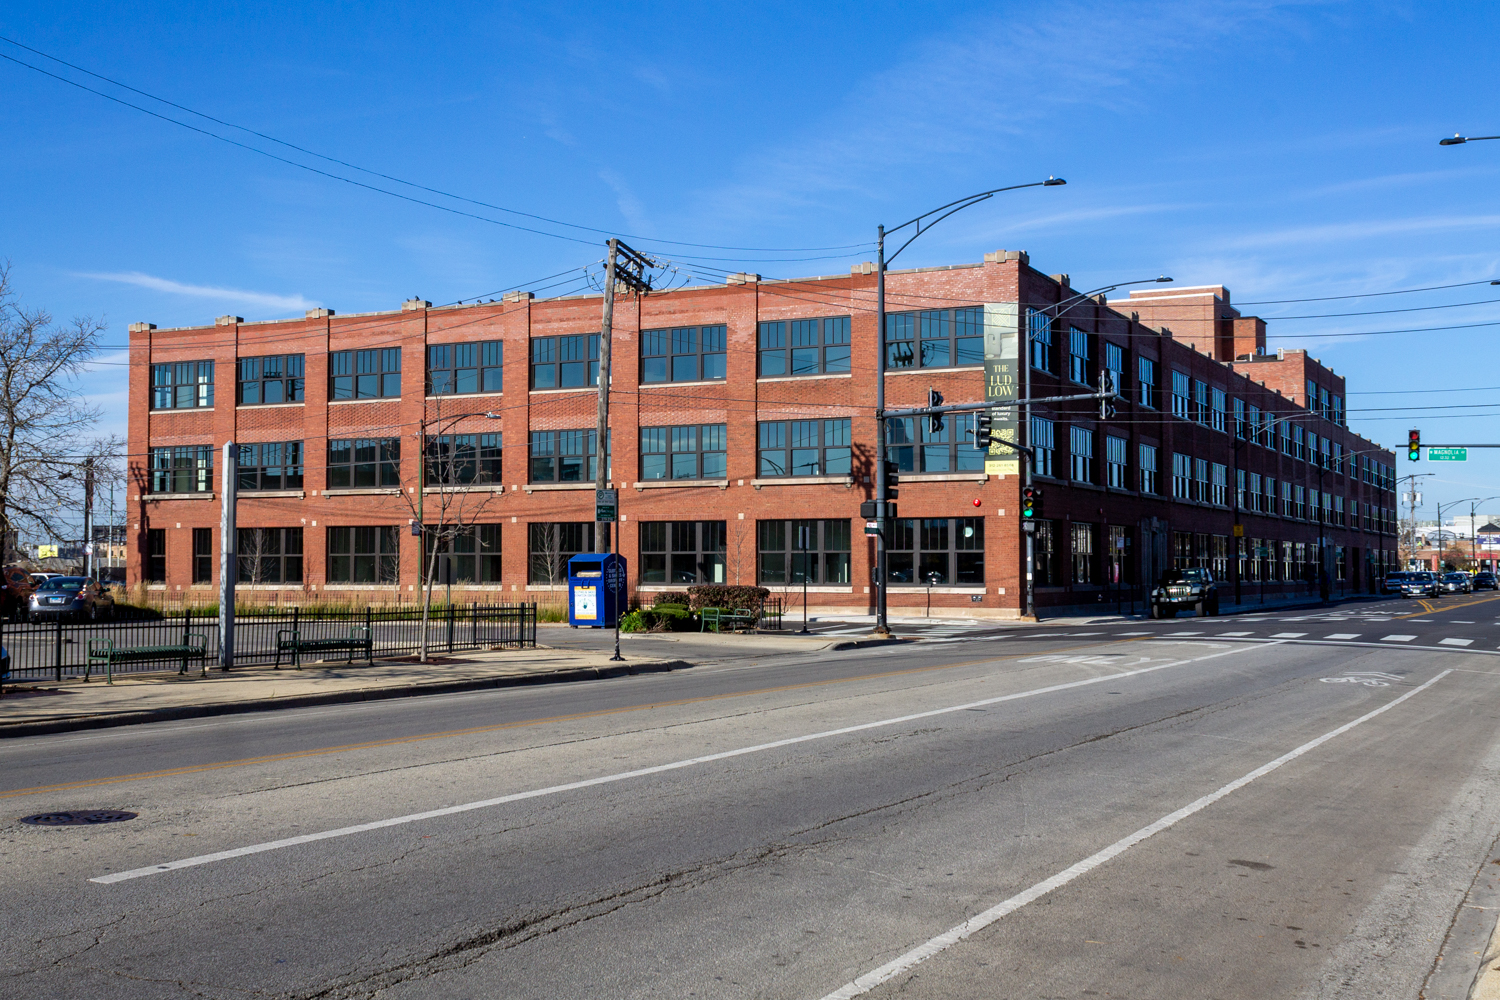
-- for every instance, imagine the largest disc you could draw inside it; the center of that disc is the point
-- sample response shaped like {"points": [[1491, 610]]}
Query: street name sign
{"points": [[1447, 454]]}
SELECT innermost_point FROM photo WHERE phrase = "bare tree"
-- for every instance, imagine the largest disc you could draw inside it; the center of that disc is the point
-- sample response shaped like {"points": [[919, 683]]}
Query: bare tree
{"points": [[455, 493], [738, 529], [43, 416], [545, 544]]}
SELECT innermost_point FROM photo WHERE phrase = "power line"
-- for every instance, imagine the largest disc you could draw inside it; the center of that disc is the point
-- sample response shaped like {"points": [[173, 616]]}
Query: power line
{"points": [[365, 170], [1364, 295]]}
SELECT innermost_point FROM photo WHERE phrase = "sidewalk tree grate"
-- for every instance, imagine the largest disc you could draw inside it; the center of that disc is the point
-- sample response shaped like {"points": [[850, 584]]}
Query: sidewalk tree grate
{"points": [[79, 817]]}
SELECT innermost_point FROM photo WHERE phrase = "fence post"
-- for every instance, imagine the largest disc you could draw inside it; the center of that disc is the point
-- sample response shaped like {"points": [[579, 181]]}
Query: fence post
{"points": [[450, 627], [296, 626], [474, 624], [57, 650], [369, 634]]}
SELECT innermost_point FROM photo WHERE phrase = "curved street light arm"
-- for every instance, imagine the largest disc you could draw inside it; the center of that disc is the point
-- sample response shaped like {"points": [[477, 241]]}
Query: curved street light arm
{"points": [[1066, 304], [957, 206], [1459, 140]]}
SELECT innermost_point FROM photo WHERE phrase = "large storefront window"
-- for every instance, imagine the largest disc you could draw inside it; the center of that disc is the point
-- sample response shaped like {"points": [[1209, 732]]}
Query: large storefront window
{"points": [[684, 552], [550, 544], [811, 551], [937, 551], [364, 554]]}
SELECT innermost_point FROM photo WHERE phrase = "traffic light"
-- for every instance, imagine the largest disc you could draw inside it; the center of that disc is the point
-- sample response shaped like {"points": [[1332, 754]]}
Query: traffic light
{"points": [[984, 423], [1029, 497], [892, 479], [934, 420], [1107, 402], [1414, 445]]}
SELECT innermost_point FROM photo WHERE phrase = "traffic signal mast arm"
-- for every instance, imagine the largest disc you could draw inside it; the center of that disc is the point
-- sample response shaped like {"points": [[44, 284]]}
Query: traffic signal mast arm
{"points": [[922, 411]]}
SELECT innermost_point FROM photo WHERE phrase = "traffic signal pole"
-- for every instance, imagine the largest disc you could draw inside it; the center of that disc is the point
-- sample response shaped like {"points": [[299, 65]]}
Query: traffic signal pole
{"points": [[882, 624]]}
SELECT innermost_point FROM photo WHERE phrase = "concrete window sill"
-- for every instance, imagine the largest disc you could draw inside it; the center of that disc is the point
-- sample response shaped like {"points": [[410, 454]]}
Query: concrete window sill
{"points": [[845, 481], [253, 494], [178, 496], [944, 477], [666, 484]]}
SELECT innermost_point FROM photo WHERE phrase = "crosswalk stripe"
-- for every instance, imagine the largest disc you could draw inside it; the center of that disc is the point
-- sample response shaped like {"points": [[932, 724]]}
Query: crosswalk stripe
{"points": [[1343, 635], [1288, 635], [1398, 638], [1455, 642]]}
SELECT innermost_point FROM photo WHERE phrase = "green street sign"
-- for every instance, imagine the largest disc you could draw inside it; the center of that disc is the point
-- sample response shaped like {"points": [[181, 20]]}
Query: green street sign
{"points": [[1448, 454]]}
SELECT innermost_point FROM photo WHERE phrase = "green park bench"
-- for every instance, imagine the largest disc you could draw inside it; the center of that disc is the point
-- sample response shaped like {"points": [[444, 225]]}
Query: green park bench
{"points": [[357, 641], [735, 619], [106, 653]]}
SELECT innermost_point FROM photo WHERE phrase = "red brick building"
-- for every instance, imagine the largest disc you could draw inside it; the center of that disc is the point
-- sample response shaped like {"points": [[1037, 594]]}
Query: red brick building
{"points": [[740, 414]]}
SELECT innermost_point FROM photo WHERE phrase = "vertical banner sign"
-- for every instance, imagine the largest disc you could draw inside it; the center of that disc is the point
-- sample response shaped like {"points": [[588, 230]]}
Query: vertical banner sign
{"points": [[1002, 382]]}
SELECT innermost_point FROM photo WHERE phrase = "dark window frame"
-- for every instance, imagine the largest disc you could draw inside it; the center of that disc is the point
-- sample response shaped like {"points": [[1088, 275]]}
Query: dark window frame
{"points": [[473, 550], [466, 368], [780, 559], [705, 446], [685, 354], [1146, 383], [558, 362], [1080, 356], [269, 555], [203, 555], [565, 451], [803, 347], [288, 375], [950, 546], [914, 446], [182, 468], [259, 467], [377, 460], [156, 555], [683, 552], [464, 460], [369, 554], [365, 374], [1039, 339], [181, 385], [572, 538], [834, 448], [934, 338]]}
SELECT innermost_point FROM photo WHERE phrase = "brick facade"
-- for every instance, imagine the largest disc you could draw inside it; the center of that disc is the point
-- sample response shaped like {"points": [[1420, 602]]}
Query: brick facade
{"points": [[741, 496]]}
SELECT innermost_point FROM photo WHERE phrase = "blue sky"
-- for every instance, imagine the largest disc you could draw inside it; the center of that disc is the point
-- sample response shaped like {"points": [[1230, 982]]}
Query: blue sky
{"points": [[1285, 150]]}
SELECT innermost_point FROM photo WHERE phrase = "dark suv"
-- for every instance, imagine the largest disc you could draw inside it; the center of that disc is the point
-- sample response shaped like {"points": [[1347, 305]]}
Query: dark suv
{"points": [[1486, 581], [1191, 588]]}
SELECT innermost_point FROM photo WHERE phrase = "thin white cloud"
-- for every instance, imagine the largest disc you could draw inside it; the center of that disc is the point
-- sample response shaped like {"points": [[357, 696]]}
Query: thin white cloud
{"points": [[239, 296], [1344, 231]]}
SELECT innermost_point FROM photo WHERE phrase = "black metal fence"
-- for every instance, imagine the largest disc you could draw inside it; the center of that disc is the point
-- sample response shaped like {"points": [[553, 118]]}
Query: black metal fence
{"points": [[54, 650]]}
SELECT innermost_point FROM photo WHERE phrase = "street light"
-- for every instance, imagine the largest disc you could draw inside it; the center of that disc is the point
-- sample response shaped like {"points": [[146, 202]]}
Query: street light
{"points": [[1474, 528], [1450, 503], [1056, 309], [882, 626], [1459, 140]]}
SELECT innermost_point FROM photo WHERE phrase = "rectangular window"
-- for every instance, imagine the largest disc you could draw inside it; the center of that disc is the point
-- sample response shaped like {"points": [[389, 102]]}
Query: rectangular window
{"points": [[465, 368], [551, 544], [1252, 421], [1323, 445], [364, 463], [810, 551], [565, 456], [804, 448], [914, 446], [1300, 503], [203, 555], [1200, 401], [694, 451], [1325, 407], [565, 362], [373, 374], [1286, 499], [470, 555], [1078, 355], [684, 354], [685, 552], [184, 468], [1239, 419], [1269, 504], [1239, 489], [270, 466], [1044, 555], [1286, 437], [273, 379], [1114, 459], [156, 555], [1312, 396], [1220, 483], [804, 346], [1338, 458], [365, 554], [1039, 326], [936, 551], [269, 555], [1182, 549], [463, 459], [182, 384], [1182, 475], [1119, 564], [1298, 442], [1338, 410], [1043, 444], [1253, 494], [1200, 480], [1114, 363], [1219, 556], [1182, 401], [1081, 449], [934, 338], [1146, 380], [1083, 552], [1218, 419], [1148, 468]]}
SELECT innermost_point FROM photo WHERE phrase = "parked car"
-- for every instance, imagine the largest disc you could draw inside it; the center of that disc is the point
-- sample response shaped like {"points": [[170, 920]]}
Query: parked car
{"points": [[15, 593], [1457, 583], [1421, 584], [1486, 581], [37, 579], [75, 597], [1392, 582], [1192, 588]]}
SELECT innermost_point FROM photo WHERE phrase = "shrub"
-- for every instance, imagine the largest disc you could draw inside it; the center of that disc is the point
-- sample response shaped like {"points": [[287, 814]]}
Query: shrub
{"points": [[670, 597], [635, 621], [718, 595]]}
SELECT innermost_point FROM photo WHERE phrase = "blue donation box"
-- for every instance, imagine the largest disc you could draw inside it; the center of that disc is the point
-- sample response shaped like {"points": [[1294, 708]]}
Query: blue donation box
{"points": [[596, 589]]}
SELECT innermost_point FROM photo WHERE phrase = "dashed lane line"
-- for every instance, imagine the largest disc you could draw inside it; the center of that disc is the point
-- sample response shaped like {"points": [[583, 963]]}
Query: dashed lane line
{"points": [[1455, 642], [1398, 638], [1288, 635], [1343, 635]]}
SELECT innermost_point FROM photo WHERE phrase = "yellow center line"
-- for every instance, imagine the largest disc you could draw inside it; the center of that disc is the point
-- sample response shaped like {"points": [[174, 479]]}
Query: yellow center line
{"points": [[1430, 609], [500, 727]]}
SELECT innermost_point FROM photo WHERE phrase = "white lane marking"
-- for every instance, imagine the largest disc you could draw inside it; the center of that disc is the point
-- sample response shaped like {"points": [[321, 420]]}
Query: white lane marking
{"points": [[1288, 635], [1455, 642], [1171, 634], [1343, 635], [952, 936], [1457, 622], [1148, 633], [607, 779], [1236, 633], [1398, 638], [1373, 673], [1366, 681]]}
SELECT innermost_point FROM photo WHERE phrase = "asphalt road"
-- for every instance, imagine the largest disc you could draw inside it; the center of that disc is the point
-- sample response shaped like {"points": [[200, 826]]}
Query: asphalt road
{"points": [[1290, 805]]}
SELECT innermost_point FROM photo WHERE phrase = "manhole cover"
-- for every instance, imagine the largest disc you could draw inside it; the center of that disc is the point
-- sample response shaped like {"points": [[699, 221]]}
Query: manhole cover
{"points": [[80, 817]]}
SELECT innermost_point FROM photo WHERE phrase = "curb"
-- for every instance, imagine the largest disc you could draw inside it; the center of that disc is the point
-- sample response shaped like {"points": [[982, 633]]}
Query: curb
{"points": [[50, 726], [868, 643]]}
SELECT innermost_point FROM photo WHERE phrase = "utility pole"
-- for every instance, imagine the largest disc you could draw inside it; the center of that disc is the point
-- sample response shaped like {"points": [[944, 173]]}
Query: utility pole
{"points": [[882, 504], [88, 518], [228, 549], [601, 438]]}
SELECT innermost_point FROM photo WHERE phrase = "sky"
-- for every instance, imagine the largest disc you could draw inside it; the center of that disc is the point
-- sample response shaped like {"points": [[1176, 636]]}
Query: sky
{"points": [[1284, 150]]}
